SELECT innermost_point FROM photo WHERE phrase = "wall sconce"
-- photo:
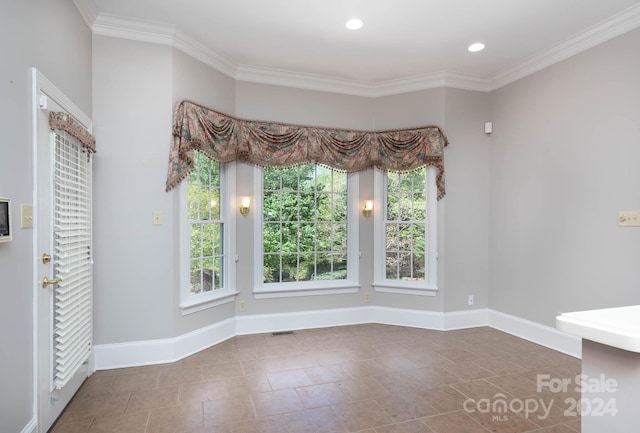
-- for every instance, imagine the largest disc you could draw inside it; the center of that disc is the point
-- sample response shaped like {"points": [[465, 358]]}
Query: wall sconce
{"points": [[367, 208], [245, 202]]}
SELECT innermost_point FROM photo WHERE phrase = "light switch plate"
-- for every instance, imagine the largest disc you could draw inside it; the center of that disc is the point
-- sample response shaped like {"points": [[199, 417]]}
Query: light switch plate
{"points": [[629, 218], [157, 218], [26, 216]]}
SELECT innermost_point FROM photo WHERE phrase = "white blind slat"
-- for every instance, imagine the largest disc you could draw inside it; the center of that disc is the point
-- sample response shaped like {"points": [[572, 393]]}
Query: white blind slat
{"points": [[72, 252]]}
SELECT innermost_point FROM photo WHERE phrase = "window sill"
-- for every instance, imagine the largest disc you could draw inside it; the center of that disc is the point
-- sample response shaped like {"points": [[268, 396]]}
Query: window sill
{"points": [[405, 289], [208, 301], [282, 291]]}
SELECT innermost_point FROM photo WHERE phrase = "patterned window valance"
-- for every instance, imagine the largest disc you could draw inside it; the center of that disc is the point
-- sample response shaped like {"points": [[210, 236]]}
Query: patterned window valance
{"points": [[267, 144], [65, 122]]}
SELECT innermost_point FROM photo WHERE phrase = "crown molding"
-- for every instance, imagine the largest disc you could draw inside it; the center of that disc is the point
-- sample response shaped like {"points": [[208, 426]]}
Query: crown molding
{"points": [[160, 33], [201, 52], [617, 25], [136, 30], [88, 10]]}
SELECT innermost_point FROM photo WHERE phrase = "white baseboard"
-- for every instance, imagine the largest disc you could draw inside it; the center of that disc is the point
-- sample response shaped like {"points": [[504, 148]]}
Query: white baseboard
{"points": [[136, 353], [108, 356], [430, 319], [31, 427], [259, 323], [536, 333]]}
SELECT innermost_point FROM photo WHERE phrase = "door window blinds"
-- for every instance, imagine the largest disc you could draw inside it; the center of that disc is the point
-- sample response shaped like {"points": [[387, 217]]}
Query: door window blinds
{"points": [[72, 241]]}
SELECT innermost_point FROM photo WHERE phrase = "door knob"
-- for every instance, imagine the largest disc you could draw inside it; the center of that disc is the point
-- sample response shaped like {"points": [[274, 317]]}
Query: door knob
{"points": [[46, 282]]}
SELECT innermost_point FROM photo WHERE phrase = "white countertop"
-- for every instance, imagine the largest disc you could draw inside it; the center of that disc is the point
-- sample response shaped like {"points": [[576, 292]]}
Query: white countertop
{"points": [[616, 327]]}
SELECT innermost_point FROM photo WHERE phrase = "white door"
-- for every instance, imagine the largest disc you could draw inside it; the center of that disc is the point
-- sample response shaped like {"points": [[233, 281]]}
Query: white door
{"points": [[62, 174]]}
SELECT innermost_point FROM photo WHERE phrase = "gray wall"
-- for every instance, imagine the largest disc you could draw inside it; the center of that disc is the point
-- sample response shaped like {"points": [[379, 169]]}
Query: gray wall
{"points": [[198, 82], [564, 160], [62, 52], [132, 82]]}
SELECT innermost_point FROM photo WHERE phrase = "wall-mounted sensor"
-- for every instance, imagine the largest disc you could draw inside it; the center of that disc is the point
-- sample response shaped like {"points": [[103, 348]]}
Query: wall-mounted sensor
{"points": [[488, 127]]}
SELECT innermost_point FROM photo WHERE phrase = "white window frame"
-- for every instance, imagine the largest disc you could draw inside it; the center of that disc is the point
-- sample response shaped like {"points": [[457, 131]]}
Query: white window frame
{"points": [[308, 288], [192, 303], [429, 287]]}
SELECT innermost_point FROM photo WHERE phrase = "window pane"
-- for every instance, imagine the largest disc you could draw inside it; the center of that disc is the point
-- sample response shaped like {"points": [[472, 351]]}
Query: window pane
{"points": [[392, 266], [405, 225], [305, 219], [271, 205], [405, 266], [271, 238], [289, 267], [289, 206], [192, 202], [207, 275], [204, 203], [419, 266], [339, 207], [339, 238], [195, 246], [207, 240], [307, 238], [392, 236], [271, 179], [323, 207], [271, 268], [195, 276], [214, 204]]}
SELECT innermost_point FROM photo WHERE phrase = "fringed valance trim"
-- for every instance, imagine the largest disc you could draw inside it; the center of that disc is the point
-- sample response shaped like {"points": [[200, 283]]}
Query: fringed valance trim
{"points": [[267, 144], [65, 122]]}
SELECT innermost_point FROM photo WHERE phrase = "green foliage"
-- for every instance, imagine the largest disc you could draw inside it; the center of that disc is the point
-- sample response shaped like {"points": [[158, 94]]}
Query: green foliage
{"points": [[305, 211], [405, 229], [205, 227]]}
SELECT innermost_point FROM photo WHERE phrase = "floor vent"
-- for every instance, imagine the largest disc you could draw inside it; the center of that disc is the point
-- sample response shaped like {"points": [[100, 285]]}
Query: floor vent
{"points": [[279, 333]]}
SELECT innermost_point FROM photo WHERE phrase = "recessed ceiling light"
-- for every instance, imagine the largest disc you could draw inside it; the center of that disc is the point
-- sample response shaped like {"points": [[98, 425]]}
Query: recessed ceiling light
{"points": [[478, 46], [354, 24]]}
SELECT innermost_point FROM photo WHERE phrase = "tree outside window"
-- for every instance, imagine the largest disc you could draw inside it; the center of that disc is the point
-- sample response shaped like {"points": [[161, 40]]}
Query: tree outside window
{"points": [[206, 228], [305, 224]]}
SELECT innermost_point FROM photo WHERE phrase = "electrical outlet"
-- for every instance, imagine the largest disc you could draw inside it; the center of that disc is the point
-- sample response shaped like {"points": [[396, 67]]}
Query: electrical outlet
{"points": [[367, 298], [242, 306], [470, 300], [629, 219]]}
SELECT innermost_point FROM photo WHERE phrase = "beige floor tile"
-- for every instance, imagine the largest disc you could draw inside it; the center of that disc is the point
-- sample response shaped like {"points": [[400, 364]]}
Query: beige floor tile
{"points": [[73, 426], [247, 385], [222, 371], [454, 422], [153, 399], [288, 379], [96, 406], [127, 423], [444, 399], [468, 370], [325, 394], [415, 426], [405, 406], [368, 378], [363, 414], [319, 420], [203, 391], [176, 376], [326, 374], [361, 388], [275, 424], [176, 419], [276, 402], [227, 411]]}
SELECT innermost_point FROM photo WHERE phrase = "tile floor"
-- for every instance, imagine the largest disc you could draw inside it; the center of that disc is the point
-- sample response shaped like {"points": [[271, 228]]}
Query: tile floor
{"points": [[365, 378]]}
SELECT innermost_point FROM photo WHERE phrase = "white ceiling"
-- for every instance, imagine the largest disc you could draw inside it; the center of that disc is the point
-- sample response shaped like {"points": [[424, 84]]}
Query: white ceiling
{"points": [[404, 44]]}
